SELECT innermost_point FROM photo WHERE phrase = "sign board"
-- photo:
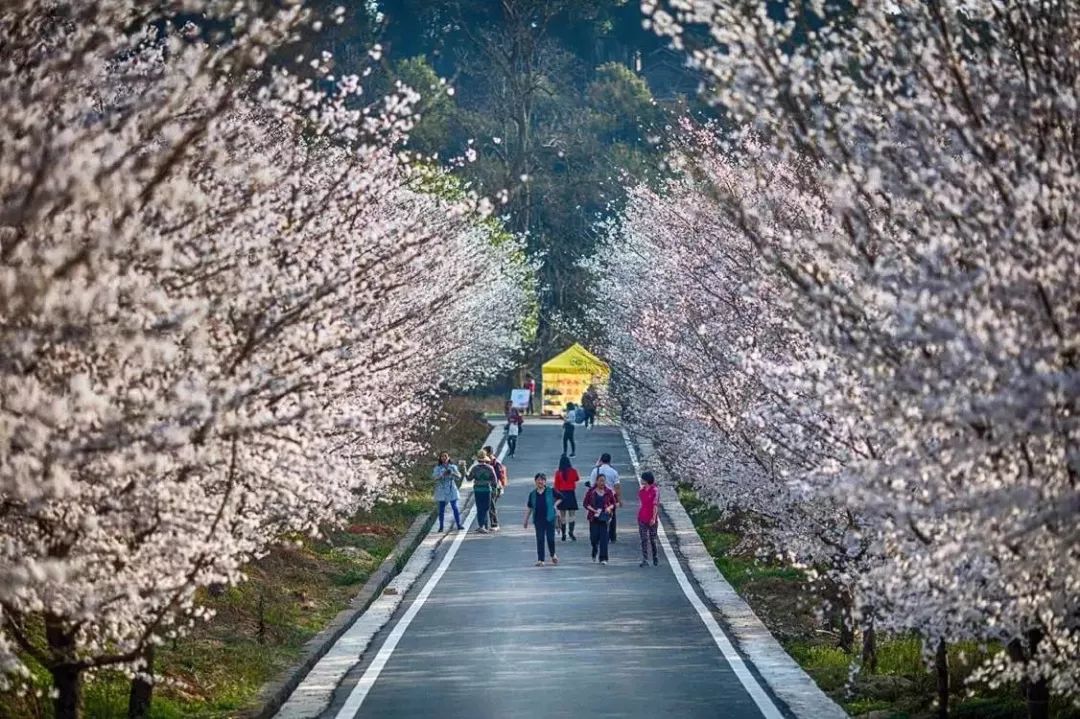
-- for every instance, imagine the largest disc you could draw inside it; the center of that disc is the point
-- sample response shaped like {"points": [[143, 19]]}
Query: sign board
{"points": [[519, 398]]}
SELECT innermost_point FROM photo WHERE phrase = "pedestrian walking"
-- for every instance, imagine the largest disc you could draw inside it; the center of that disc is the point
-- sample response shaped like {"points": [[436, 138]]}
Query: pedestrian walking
{"points": [[530, 384], [446, 475], [484, 482], [599, 508], [498, 489], [648, 517], [543, 504], [566, 479], [603, 467], [512, 432], [513, 416], [590, 402], [568, 430]]}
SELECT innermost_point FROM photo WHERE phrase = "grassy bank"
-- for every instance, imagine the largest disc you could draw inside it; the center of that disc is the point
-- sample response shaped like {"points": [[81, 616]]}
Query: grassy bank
{"points": [[902, 688], [260, 626]]}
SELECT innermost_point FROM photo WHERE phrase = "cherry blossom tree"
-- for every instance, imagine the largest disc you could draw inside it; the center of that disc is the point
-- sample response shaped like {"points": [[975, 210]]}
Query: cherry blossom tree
{"points": [[226, 302], [940, 138], [715, 369]]}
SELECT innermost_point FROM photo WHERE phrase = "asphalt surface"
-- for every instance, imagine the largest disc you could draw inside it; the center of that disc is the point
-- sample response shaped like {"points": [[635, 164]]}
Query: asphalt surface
{"points": [[499, 637]]}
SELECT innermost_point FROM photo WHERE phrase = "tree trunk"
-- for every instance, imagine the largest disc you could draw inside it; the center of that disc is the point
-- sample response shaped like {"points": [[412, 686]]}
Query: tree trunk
{"points": [[869, 648], [260, 632], [847, 625], [66, 672], [941, 670], [1038, 692], [142, 691], [67, 682], [1015, 649], [1038, 699], [1035, 692]]}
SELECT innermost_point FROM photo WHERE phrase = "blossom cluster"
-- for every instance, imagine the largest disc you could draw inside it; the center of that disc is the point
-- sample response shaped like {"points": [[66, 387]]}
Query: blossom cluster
{"points": [[226, 303], [856, 316]]}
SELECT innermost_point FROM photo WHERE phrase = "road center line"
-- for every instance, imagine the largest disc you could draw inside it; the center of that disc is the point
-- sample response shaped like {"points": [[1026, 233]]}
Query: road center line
{"points": [[764, 702], [371, 674]]}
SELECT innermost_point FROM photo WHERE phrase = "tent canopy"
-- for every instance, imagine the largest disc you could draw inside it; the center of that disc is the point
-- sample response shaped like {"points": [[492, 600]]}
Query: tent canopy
{"points": [[567, 376], [577, 360]]}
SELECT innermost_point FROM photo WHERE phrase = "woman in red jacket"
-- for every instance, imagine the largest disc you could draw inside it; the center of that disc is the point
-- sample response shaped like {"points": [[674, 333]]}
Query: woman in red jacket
{"points": [[566, 479], [599, 506]]}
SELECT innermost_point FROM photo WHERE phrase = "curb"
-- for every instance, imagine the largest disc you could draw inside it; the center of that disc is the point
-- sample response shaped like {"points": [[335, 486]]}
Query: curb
{"points": [[783, 675], [272, 696], [355, 626]]}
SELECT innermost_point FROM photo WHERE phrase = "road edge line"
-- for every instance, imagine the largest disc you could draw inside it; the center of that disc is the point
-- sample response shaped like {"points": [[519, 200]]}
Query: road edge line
{"points": [[368, 613], [783, 675], [367, 680]]}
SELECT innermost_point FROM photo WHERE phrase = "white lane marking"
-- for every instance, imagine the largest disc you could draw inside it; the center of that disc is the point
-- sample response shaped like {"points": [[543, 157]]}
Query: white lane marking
{"points": [[371, 674], [764, 702]]}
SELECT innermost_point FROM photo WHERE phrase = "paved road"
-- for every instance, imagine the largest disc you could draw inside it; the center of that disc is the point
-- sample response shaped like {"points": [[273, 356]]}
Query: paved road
{"points": [[499, 637]]}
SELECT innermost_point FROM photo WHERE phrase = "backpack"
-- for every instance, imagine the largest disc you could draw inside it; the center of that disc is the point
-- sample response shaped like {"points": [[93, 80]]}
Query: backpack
{"points": [[500, 472], [579, 415]]}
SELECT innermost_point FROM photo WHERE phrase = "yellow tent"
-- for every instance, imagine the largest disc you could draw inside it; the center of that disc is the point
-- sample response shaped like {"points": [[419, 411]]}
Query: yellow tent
{"points": [[567, 375]]}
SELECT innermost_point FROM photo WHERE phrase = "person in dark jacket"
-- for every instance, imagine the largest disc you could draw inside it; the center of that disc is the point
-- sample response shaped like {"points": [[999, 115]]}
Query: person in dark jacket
{"points": [[599, 506], [484, 482], [500, 474], [590, 402], [543, 504]]}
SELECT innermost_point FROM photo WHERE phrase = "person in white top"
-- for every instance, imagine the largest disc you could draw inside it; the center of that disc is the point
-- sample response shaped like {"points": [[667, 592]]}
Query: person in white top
{"points": [[603, 466], [512, 432], [568, 431]]}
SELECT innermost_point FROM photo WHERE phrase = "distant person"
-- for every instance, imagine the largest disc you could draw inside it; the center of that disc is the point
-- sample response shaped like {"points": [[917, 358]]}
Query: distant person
{"points": [[648, 517], [484, 483], [568, 430], [446, 475], [497, 491], [543, 504], [603, 467], [530, 384], [513, 416], [599, 509], [566, 479], [590, 402], [512, 431]]}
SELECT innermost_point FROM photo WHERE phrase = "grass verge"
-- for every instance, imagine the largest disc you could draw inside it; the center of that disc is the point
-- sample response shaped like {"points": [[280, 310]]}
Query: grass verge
{"points": [[902, 688], [260, 626]]}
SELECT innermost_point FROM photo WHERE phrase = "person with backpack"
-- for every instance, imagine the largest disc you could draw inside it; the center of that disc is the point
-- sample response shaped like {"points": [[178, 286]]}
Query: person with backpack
{"points": [[648, 517], [566, 479], [603, 468], [599, 508], [484, 483], [446, 474], [568, 430], [497, 491], [543, 503]]}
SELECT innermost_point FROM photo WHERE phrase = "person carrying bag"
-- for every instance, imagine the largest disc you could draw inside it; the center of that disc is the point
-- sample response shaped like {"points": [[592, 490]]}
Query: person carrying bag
{"points": [[599, 507]]}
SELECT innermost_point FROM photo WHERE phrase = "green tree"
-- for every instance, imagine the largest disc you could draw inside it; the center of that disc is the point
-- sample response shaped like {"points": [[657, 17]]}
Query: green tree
{"points": [[432, 134]]}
